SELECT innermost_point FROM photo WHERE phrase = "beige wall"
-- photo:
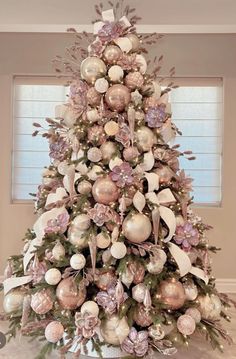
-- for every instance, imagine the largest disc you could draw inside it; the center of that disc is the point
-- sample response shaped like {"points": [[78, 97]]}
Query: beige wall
{"points": [[193, 55]]}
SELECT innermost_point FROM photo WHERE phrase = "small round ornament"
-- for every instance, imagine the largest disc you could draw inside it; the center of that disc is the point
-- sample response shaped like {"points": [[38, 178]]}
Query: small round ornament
{"points": [[84, 187], [106, 280], [54, 332], [156, 332], [155, 266], [134, 80], [134, 41], [111, 128], [42, 302], [115, 73], [63, 167], [90, 307], [108, 150], [82, 222], [95, 172], [92, 68], [191, 291], [105, 191], [137, 228], [96, 135], [138, 292], [117, 97], [76, 237], [131, 153], [69, 295], [142, 317], [94, 154], [101, 85], [112, 54], [118, 250], [165, 174], [114, 330], [194, 313], [186, 325], [210, 306], [92, 115], [145, 139], [53, 276], [171, 293], [103, 240], [77, 261], [93, 97], [13, 301]]}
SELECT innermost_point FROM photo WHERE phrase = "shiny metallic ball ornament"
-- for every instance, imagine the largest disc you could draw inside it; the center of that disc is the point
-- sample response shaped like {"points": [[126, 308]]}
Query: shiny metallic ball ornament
{"points": [[210, 306], [82, 222], [103, 240], [137, 228], [191, 290], [13, 301], [92, 68], [114, 330], [69, 295], [134, 41], [186, 325], [105, 280], [77, 261], [84, 187], [58, 251], [171, 293], [54, 332], [90, 307], [112, 54], [117, 97], [108, 149], [105, 190], [156, 332], [165, 174], [145, 139], [53, 276], [142, 317]]}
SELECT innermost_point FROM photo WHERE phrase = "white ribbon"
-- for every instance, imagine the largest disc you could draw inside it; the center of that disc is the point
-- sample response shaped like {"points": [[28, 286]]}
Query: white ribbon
{"points": [[14, 282], [109, 16]]}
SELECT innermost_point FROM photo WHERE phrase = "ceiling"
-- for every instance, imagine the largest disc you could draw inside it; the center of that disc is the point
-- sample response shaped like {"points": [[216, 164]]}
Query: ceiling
{"points": [[172, 15]]}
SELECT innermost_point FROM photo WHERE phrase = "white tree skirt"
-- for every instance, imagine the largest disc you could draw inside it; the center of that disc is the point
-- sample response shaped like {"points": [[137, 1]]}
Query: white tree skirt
{"points": [[107, 351]]}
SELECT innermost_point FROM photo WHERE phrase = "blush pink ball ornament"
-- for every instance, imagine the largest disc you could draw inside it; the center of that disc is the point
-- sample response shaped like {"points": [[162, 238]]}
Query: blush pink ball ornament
{"points": [[171, 293], [93, 97], [134, 80], [137, 228], [186, 324], [54, 332], [112, 54], [117, 97], [131, 153], [108, 149], [105, 191], [142, 317], [69, 295], [194, 313], [41, 302]]}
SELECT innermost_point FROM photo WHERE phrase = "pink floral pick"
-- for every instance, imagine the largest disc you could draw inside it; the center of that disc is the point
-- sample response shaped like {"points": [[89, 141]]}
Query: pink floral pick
{"points": [[187, 236]]}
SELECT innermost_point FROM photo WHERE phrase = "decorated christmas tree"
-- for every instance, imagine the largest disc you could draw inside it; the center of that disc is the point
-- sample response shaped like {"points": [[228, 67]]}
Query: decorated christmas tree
{"points": [[117, 264]]}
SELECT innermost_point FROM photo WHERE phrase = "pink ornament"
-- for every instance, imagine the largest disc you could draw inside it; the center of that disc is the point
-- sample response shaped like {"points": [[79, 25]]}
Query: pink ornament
{"points": [[105, 190], [186, 324], [93, 97], [142, 316], [112, 54], [171, 293], [117, 97], [134, 80], [69, 295], [150, 102], [130, 153], [54, 332], [41, 302], [194, 313]]}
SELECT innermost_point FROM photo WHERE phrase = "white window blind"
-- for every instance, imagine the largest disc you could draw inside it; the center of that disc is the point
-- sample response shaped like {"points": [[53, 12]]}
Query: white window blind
{"points": [[197, 107]]}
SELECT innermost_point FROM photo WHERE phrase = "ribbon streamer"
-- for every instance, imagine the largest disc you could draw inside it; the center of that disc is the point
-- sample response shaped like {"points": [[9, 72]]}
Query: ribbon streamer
{"points": [[15, 282], [108, 16]]}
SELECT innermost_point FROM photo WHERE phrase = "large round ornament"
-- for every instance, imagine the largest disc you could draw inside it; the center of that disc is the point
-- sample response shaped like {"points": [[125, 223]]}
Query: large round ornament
{"points": [[118, 250], [186, 324], [105, 190], [54, 332], [210, 306], [134, 41], [78, 261], [115, 73], [137, 228], [191, 291], [117, 97], [92, 68], [13, 301], [69, 295], [53, 276], [114, 330], [42, 302], [142, 317], [145, 138], [106, 280], [90, 307], [171, 293], [112, 54]]}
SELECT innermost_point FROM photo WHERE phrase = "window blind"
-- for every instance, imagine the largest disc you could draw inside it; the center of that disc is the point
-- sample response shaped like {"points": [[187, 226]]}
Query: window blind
{"points": [[197, 107]]}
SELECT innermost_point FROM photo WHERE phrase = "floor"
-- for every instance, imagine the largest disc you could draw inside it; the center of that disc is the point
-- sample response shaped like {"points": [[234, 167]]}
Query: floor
{"points": [[199, 349]]}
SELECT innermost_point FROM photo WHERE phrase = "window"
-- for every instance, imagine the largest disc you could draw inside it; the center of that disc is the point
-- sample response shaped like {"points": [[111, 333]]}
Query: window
{"points": [[197, 107]]}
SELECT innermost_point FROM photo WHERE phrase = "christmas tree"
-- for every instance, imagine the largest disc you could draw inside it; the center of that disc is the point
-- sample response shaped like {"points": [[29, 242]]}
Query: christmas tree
{"points": [[117, 263]]}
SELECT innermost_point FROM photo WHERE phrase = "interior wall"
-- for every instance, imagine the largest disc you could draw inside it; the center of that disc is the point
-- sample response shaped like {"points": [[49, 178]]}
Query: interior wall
{"points": [[192, 55]]}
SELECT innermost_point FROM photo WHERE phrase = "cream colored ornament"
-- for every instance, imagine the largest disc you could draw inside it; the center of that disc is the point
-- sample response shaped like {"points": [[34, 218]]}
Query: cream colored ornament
{"points": [[58, 251], [134, 41], [155, 266], [115, 73], [191, 291], [67, 114], [63, 167], [210, 306], [145, 138], [77, 261], [108, 150], [103, 240], [13, 301], [95, 172], [148, 162], [106, 255], [84, 187], [54, 332], [90, 307], [118, 250], [77, 237], [114, 330], [138, 292], [93, 115], [111, 128], [92, 68], [137, 228], [101, 85], [117, 161], [124, 44], [94, 154], [82, 222], [52, 276], [142, 63]]}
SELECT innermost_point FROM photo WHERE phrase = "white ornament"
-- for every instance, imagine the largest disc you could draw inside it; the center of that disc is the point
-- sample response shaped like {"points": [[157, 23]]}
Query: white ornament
{"points": [[53, 276], [13, 301], [210, 306], [118, 250], [82, 222], [191, 291], [77, 261], [94, 154], [95, 172], [101, 85], [58, 251], [103, 240], [138, 292], [115, 73], [124, 44], [90, 307], [63, 167], [115, 162], [93, 115]]}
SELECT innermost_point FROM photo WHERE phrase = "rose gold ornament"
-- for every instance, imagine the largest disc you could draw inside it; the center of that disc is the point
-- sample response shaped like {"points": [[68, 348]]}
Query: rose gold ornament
{"points": [[94, 154], [117, 97], [210, 306], [112, 54], [134, 80], [142, 316], [137, 228], [114, 330], [54, 332], [114, 221], [145, 139], [131, 153], [134, 41], [92, 68], [108, 150], [194, 313], [84, 187], [105, 191], [13, 301], [171, 293], [96, 135], [69, 295], [41, 302], [186, 325], [111, 128], [165, 174], [106, 280], [93, 97], [138, 271]]}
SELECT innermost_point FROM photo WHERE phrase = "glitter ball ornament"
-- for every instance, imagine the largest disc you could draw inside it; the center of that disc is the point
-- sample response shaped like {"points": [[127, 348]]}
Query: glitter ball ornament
{"points": [[142, 317], [106, 280], [103, 240], [90, 307], [13, 301], [145, 139], [112, 54], [69, 295], [101, 85], [118, 250], [105, 191], [94, 154], [92, 68], [134, 80], [84, 187], [138, 292], [137, 228], [194, 313], [53, 276], [41, 302], [186, 325], [115, 73], [131, 153], [54, 332], [165, 174], [93, 97], [77, 261], [96, 135], [171, 293], [114, 330], [117, 97], [210, 306], [111, 128], [58, 251], [191, 291], [150, 102]]}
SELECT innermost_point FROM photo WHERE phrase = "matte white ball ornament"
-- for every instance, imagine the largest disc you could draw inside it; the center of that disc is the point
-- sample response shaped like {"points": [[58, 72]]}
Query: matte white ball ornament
{"points": [[52, 276], [114, 330], [54, 332], [92, 115], [90, 307], [118, 250], [115, 73], [101, 85], [138, 292], [77, 261], [103, 240]]}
